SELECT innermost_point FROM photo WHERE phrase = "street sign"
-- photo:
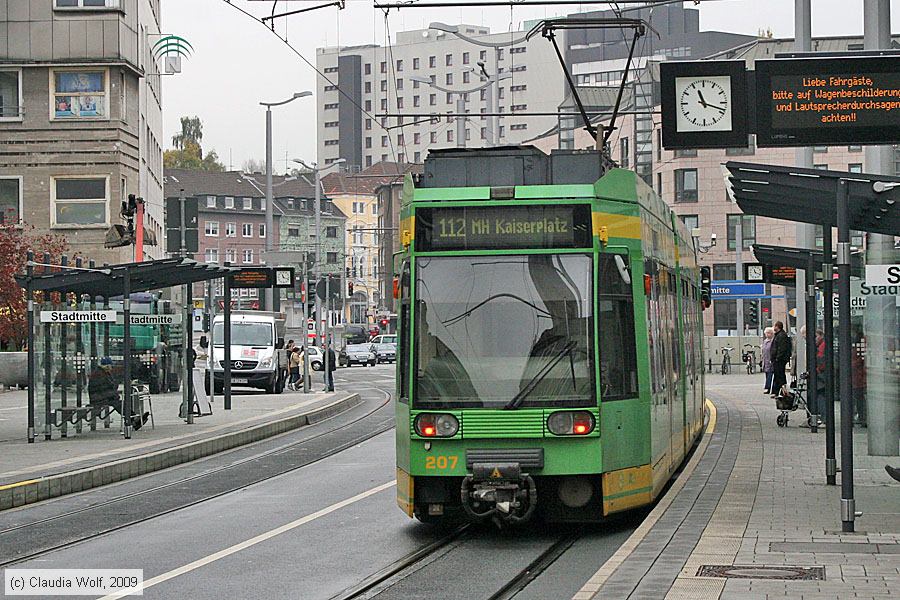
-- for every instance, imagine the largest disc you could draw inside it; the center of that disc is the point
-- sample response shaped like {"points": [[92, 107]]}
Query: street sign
{"points": [[334, 291], [78, 316], [725, 290], [136, 319], [252, 277], [827, 101], [883, 275], [201, 303]]}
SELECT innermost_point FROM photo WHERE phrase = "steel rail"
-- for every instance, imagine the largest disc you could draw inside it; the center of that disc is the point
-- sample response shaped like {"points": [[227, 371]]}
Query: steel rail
{"points": [[535, 568], [381, 428]]}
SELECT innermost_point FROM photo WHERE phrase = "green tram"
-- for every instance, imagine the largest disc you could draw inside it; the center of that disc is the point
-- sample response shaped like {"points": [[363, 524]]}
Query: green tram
{"points": [[549, 351]]}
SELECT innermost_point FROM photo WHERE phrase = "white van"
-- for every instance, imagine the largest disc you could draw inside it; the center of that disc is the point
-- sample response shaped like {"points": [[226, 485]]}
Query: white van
{"points": [[385, 338], [255, 336]]}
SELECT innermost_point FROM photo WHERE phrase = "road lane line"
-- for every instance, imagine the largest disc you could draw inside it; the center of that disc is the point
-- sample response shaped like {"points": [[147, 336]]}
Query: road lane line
{"points": [[254, 540]]}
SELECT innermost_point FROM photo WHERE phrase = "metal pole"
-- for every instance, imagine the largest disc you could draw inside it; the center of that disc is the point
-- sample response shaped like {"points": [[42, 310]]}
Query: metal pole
{"points": [[304, 303], [79, 357], [811, 392], [738, 271], [29, 272], [126, 349], [211, 311], [327, 345], [48, 363], [94, 350], [187, 363], [881, 326], [828, 329], [848, 503], [269, 295], [226, 343], [317, 248], [460, 120], [63, 358], [806, 233]]}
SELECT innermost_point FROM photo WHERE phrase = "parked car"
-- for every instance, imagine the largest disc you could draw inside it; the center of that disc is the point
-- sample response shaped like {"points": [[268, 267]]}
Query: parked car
{"points": [[316, 360], [357, 354], [385, 338], [385, 352], [356, 334]]}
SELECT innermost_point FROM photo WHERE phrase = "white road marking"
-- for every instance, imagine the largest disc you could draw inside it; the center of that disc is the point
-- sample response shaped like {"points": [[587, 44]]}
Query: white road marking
{"points": [[253, 541], [14, 408]]}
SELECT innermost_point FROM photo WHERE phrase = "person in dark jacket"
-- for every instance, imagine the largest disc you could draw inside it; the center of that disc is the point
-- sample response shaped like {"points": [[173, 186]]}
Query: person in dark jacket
{"points": [[330, 368], [781, 355], [103, 390]]}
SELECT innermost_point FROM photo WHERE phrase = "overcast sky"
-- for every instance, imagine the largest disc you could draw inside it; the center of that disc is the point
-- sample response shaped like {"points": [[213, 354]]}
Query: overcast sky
{"points": [[238, 63]]}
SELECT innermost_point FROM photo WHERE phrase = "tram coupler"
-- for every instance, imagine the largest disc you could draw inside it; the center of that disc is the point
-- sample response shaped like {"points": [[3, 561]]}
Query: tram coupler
{"points": [[499, 491]]}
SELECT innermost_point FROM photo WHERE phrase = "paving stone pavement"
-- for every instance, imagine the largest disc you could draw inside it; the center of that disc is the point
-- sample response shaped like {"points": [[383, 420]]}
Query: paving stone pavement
{"points": [[758, 498]]}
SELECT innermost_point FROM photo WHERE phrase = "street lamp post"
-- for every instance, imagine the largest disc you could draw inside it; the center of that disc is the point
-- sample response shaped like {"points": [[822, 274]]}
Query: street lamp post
{"points": [[460, 101], [270, 218], [314, 167], [493, 80]]}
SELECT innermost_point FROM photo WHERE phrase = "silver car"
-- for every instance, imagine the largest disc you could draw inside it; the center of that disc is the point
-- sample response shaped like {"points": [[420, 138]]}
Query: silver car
{"points": [[357, 354]]}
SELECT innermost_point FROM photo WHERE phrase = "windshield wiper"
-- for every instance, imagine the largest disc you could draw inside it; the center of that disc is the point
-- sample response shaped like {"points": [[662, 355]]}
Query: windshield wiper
{"points": [[519, 398]]}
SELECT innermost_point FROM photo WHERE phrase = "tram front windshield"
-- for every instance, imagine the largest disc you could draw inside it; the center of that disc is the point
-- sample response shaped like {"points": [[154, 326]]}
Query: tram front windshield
{"points": [[504, 331]]}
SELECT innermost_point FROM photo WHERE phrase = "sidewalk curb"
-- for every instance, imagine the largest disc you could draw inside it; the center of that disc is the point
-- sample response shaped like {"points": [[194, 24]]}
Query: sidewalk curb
{"points": [[592, 587], [53, 486]]}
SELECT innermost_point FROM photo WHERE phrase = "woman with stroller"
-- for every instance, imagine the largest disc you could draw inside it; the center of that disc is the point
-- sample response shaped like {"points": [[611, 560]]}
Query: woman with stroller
{"points": [[767, 365]]}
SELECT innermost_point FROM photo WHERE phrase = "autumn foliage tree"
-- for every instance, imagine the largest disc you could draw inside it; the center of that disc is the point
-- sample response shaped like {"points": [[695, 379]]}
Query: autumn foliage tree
{"points": [[15, 241]]}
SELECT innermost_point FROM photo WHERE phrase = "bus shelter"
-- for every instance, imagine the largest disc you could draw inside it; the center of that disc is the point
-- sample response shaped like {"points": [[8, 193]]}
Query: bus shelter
{"points": [[76, 316], [848, 201]]}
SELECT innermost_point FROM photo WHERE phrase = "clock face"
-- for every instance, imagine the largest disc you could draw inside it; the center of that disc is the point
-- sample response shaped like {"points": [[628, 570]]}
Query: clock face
{"points": [[282, 277], [704, 103], [755, 272]]}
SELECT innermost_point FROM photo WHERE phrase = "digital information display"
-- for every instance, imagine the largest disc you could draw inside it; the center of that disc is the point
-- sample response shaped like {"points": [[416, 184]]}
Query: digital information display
{"points": [[252, 278], [852, 100], [503, 227], [782, 275]]}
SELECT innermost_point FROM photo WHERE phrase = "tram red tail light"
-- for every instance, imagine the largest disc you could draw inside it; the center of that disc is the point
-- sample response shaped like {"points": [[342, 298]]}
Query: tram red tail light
{"points": [[577, 422], [436, 425]]}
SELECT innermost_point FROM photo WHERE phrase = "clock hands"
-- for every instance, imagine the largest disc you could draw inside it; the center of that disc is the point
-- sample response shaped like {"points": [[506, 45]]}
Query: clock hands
{"points": [[705, 104]]}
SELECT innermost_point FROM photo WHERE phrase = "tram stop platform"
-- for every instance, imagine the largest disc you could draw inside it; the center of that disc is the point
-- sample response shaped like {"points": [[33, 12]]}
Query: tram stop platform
{"points": [[751, 516], [50, 468]]}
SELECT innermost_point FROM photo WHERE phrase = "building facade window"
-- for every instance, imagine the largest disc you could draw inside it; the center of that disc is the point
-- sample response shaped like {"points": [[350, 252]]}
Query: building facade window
{"points": [[81, 201], [685, 185], [855, 167], [624, 153], [248, 256], [79, 94], [262, 230], [293, 232], [212, 229], [248, 203], [432, 61], [690, 221], [448, 79], [399, 64], [686, 153], [229, 202], [465, 58], [11, 95], [415, 64], [211, 255], [748, 231], [231, 255], [331, 232], [331, 258], [85, 4], [247, 229], [448, 60], [10, 200]]}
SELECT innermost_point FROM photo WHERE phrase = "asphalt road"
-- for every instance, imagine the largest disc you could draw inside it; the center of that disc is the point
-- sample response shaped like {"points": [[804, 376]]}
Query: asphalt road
{"points": [[292, 518]]}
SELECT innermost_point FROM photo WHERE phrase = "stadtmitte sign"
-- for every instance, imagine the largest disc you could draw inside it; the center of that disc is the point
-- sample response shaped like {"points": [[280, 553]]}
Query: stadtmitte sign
{"points": [[78, 316]]}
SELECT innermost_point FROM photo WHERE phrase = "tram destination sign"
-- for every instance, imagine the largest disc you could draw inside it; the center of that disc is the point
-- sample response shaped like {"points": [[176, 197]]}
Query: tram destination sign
{"points": [[821, 101], [78, 316], [503, 227]]}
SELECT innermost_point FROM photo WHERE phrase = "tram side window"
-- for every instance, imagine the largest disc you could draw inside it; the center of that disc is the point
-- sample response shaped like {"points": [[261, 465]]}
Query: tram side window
{"points": [[403, 348], [615, 309]]}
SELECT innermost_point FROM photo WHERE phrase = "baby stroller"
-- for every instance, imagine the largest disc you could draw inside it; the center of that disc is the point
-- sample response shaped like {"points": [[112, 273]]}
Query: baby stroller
{"points": [[791, 398]]}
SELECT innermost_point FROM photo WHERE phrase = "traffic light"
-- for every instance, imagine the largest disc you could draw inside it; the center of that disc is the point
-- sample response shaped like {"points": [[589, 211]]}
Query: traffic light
{"points": [[348, 271], [705, 287], [349, 289], [754, 315]]}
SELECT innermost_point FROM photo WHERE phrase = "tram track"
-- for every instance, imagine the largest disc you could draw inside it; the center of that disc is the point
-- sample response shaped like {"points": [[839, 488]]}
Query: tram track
{"points": [[33, 540]]}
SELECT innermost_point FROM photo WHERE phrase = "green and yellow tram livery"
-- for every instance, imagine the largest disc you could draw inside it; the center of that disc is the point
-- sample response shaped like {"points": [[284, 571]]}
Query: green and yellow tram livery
{"points": [[549, 339]]}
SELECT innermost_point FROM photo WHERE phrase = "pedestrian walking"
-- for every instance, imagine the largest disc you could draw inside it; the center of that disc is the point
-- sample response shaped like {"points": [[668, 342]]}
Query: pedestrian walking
{"points": [[781, 355], [296, 368], [767, 367], [330, 367], [283, 358]]}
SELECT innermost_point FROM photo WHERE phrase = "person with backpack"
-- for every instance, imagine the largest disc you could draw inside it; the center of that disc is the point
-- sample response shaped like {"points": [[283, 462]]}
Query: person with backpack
{"points": [[330, 367], [781, 356]]}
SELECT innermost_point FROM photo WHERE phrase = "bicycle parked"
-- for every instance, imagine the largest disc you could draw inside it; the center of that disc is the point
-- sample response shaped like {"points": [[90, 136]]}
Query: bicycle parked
{"points": [[749, 358], [726, 360]]}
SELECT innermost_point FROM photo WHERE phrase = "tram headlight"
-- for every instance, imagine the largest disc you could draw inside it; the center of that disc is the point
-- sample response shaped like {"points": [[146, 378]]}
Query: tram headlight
{"points": [[570, 422], [436, 425]]}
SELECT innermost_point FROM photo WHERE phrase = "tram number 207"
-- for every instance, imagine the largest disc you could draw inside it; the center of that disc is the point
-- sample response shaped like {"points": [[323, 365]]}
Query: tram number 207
{"points": [[441, 462]]}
